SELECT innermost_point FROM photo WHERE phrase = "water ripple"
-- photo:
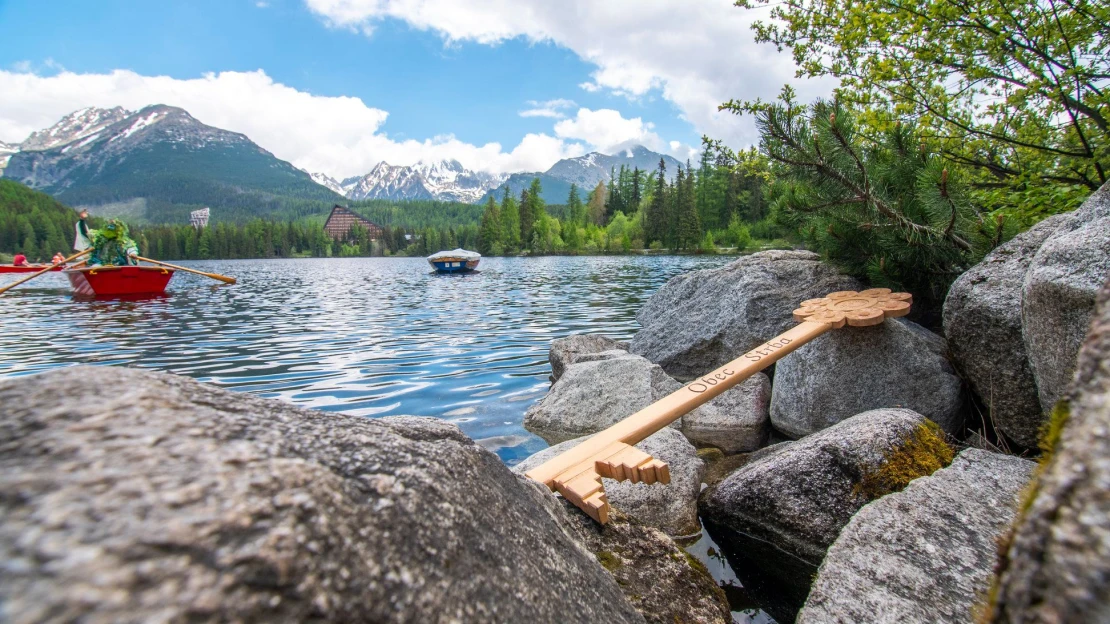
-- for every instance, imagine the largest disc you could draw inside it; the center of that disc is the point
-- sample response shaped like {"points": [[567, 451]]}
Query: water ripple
{"points": [[366, 336]]}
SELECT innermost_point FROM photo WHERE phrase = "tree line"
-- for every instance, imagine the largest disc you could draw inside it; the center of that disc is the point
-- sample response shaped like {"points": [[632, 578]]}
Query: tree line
{"points": [[719, 203]]}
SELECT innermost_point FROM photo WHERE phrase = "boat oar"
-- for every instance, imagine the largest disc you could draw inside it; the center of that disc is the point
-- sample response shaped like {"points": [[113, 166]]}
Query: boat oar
{"points": [[34, 275], [216, 276]]}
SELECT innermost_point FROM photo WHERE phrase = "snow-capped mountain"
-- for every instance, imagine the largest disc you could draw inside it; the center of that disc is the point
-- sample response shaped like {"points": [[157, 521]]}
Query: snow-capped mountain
{"points": [[586, 171], [74, 127], [158, 153], [449, 180], [6, 151], [386, 181], [327, 181], [445, 180]]}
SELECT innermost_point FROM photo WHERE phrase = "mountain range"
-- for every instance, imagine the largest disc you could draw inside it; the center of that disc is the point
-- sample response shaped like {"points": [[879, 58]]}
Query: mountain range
{"points": [[448, 180], [158, 163]]}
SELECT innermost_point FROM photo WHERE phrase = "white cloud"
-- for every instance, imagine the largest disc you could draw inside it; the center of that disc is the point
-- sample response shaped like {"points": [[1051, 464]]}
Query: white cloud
{"points": [[551, 108], [340, 136], [262, 4], [607, 131], [696, 54]]}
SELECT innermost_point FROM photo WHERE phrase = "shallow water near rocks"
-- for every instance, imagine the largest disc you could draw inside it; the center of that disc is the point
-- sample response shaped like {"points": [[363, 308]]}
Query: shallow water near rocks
{"points": [[365, 336]]}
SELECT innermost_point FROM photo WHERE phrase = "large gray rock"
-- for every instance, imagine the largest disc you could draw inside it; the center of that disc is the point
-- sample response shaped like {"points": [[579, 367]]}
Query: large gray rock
{"points": [[1058, 297], [800, 497], [925, 554], [700, 320], [591, 396], [568, 350], [1056, 565], [737, 421], [603, 388], [139, 496], [672, 507], [661, 581], [854, 369], [982, 322]]}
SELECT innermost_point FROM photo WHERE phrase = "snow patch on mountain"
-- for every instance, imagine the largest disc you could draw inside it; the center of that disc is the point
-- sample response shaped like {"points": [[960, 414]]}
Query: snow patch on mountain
{"points": [[328, 182], [6, 151], [140, 123], [74, 127]]}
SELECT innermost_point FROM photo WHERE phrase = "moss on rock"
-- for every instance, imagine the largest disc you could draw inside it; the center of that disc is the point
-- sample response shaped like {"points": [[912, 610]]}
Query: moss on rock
{"points": [[922, 453], [609, 561]]}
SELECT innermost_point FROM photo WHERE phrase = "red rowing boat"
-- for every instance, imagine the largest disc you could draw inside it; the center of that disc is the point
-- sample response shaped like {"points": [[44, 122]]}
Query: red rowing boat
{"points": [[30, 268], [119, 280]]}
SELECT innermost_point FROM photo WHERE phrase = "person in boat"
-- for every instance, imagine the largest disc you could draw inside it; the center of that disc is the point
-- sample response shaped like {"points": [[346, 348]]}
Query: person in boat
{"points": [[58, 258], [19, 260], [83, 240], [111, 245]]}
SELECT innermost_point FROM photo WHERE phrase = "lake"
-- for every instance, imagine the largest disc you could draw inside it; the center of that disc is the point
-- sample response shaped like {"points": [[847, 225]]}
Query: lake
{"points": [[364, 336]]}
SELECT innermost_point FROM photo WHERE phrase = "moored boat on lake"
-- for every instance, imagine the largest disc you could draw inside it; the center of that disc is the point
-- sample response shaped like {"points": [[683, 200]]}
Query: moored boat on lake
{"points": [[28, 268], [106, 281], [454, 261]]}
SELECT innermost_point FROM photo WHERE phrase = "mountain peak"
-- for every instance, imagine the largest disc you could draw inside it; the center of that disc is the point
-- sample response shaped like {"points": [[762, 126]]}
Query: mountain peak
{"points": [[586, 171], [74, 127]]}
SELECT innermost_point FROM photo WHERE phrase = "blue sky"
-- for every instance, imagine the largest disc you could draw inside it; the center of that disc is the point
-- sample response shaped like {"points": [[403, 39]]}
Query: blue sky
{"points": [[450, 78]]}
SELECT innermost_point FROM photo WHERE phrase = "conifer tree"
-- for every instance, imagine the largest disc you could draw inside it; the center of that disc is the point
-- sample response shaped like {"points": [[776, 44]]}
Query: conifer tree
{"points": [[633, 203], [689, 226], [674, 210], [615, 201], [535, 190], [655, 223], [489, 234], [510, 223], [884, 209], [707, 212], [531, 209], [576, 210]]}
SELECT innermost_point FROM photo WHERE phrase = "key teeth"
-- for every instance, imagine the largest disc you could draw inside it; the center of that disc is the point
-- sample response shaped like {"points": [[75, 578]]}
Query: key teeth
{"points": [[622, 462]]}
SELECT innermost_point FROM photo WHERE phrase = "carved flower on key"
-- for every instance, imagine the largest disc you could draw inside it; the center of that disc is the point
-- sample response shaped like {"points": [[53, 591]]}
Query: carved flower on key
{"points": [[859, 309]]}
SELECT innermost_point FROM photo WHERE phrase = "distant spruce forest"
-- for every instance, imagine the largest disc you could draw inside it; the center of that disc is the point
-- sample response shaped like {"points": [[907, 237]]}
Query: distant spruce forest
{"points": [[719, 203]]}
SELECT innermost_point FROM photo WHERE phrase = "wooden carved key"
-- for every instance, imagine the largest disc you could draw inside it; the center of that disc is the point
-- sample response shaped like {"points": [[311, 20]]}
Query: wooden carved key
{"points": [[577, 472]]}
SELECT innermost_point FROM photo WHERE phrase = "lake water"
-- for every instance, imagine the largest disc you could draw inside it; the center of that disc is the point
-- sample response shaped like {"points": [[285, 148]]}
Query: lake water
{"points": [[365, 336]]}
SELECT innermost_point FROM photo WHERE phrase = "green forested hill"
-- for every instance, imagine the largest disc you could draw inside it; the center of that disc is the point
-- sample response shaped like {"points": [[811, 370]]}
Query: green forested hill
{"points": [[34, 223], [237, 182]]}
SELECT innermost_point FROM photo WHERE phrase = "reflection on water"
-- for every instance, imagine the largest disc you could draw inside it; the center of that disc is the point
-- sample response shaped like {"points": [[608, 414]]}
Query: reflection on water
{"points": [[746, 609], [366, 336]]}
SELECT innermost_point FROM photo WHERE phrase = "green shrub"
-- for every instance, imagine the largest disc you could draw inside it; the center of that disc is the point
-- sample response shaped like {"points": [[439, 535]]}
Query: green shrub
{"points": [[881, 207]]}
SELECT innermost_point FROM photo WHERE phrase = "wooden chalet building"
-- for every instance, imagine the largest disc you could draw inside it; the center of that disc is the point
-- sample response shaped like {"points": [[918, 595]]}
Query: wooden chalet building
{"points": [[342, 219]]}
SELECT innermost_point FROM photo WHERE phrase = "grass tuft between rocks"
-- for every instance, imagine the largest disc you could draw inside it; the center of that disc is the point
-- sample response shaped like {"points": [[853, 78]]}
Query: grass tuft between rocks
{"points": [[921, 454]]}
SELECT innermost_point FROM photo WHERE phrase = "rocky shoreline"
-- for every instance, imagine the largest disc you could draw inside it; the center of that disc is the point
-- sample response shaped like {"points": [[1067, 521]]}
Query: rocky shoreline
{"points": [[846, 479]]}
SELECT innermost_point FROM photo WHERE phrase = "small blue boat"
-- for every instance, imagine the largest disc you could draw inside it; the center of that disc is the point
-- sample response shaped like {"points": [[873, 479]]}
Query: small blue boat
{"points": [[454, 261]]}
